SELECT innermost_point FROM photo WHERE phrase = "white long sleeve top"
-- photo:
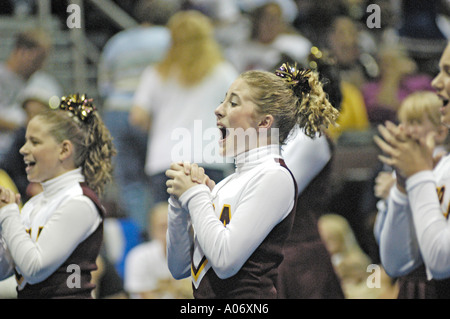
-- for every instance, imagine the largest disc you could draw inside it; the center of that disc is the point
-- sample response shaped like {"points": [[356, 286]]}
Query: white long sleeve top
{"points": [[306, 157], [230, 222], [47, 230], [416, 228]]}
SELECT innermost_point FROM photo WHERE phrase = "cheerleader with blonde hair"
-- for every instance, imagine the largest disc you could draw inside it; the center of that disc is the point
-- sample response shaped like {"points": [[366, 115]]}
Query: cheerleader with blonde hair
{"points": [[51, 245], [240, 225]]}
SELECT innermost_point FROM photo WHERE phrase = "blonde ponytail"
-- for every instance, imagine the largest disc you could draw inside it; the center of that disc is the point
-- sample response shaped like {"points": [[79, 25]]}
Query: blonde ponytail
{"points": [[292, 96], [97, 163], [314, 112]]}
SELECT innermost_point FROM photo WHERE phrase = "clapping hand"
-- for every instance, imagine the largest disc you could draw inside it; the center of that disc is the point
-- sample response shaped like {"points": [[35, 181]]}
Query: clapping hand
{"points": [[383, 184], [183, 176], [404, 153], [7, 197]]}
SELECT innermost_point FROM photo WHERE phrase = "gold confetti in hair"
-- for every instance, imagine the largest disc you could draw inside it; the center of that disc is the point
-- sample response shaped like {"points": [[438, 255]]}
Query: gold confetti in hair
{"points": [[315, 113], [80, 106], [295, 77]]}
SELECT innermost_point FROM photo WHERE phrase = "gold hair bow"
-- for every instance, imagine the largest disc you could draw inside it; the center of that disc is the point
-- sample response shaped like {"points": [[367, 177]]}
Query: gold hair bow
{"points": [[297, 78], [80, 106]]}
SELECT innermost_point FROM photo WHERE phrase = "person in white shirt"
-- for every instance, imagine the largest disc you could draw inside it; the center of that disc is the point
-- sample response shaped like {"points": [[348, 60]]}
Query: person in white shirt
{"points": [[270, 38], [124, 58], [146, 273], [241, 223], [51, 245], [176, 98], [418, 204]]}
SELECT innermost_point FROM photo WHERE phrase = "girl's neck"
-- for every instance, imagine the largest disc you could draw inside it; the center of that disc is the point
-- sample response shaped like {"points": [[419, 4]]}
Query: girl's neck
{"points": [[255, 154], [53, 185]]}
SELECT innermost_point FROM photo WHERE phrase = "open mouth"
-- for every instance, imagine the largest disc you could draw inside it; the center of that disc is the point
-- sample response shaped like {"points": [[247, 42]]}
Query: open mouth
{"points": [[224, 132], [445, 100], [29, 165]]}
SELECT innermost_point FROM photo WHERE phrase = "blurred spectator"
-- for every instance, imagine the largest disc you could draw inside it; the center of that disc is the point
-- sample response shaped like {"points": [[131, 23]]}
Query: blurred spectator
{"points": [[230, 23], [288, 8], [177, 97], [28, 55], [314, 19], [34, 98], [271, 37], [350, 262], [344, 43], [124, 58], [108, 283], [120, 232], [147, 275], [371, 38], [353, 115], [399, 77]]}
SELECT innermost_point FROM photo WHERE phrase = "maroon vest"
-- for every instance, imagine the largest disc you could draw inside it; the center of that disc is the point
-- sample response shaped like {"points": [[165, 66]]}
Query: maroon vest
{"points": [[306, 271], [415, 285], [62, 283]]}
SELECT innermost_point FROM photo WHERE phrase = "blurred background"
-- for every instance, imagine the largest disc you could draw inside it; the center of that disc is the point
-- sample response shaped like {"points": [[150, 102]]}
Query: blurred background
{"points": [[381, 54]]}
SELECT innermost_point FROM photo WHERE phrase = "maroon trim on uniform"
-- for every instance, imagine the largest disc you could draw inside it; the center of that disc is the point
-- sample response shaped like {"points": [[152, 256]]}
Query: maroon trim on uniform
{"points": [[87, 191], [283, 164]]}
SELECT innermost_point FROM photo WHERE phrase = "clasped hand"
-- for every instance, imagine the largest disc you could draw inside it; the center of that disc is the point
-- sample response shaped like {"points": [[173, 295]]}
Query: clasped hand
{"points": [[183, 176], [404, 153], [7, 197]]}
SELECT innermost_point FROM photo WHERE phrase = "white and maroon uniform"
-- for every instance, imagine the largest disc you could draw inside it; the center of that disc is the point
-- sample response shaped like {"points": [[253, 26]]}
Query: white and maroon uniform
{"points": [[415, 234], [239, 229], [306, 271], [56, 230]]}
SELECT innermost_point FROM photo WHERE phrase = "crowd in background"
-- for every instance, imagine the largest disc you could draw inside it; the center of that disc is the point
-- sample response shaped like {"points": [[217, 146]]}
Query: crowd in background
{"points": [[378, 67]]}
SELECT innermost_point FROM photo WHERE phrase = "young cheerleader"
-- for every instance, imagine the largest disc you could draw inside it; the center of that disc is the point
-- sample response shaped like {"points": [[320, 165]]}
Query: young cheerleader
{"points": [[241, 224], [52, 244]]}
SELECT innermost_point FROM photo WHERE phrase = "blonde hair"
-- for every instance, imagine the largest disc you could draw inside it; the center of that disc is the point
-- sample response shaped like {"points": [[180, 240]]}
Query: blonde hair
{"points": [[415, 105], [194, 51], [92, 142], [274, 95]]}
